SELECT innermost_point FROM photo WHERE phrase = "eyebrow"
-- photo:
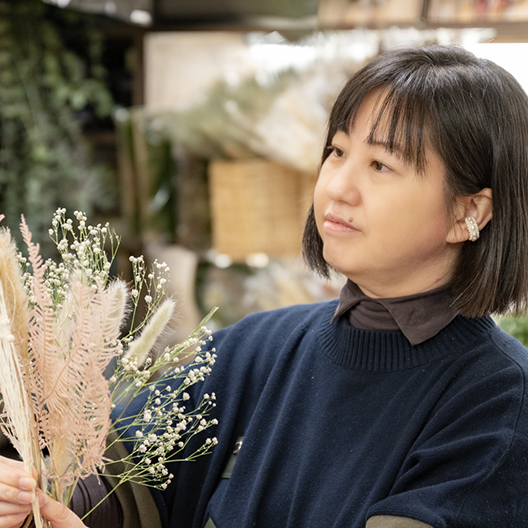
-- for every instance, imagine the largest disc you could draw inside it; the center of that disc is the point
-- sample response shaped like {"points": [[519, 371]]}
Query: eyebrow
{"points": [[393, 148]]}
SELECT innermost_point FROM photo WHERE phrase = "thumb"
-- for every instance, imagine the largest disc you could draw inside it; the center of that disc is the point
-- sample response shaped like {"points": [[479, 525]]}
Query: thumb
{"points": [[58, 514]]}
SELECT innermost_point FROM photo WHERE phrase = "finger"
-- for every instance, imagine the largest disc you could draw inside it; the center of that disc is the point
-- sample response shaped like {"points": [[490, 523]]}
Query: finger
{"points": [[7, 508], [12, 471], [22, 493], [11, 462], [58, 514], [14, 520], [16, 485], [16, 495], [17, 464]]}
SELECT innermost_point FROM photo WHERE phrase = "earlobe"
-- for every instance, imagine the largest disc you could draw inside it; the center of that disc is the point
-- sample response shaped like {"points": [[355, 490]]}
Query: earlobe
{"points": [[473, 214]]}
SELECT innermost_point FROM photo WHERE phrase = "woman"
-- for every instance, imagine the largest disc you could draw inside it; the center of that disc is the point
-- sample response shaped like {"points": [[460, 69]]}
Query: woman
{"points": [[403, 404]]}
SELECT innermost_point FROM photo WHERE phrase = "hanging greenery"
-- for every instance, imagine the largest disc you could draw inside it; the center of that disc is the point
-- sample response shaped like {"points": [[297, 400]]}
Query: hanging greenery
{"points": [[45, 160]]}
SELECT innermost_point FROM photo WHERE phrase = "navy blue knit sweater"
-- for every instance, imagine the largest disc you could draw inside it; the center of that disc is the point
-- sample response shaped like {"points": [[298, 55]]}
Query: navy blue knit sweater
{"points": [[341, 424]]}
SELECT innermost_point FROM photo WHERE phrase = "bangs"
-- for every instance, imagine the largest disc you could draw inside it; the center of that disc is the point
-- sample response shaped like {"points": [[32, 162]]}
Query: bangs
{"points": [[400, 125]]}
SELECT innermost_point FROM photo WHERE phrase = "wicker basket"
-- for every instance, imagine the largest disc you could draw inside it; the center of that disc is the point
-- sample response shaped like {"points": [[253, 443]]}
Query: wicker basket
{"points": [[258, 206]]}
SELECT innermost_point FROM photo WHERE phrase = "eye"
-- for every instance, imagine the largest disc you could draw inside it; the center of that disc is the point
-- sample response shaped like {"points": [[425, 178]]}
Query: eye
{"points": [[378, 166], [336, 151]]}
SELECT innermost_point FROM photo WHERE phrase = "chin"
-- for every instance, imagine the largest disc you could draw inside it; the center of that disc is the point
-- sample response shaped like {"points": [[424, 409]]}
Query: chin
{"points": [[339, 269], [336, 263]]}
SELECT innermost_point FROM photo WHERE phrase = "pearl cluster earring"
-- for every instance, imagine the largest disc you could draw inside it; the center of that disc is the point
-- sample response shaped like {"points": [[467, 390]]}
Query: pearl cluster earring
{"points": [[473, 229]]}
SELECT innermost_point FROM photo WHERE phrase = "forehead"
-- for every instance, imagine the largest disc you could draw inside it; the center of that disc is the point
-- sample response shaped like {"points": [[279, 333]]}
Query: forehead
{"points": [[372, 118]]}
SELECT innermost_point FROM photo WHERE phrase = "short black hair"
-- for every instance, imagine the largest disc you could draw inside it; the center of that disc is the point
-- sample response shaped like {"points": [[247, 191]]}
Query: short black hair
{"points": [[474, 115]]}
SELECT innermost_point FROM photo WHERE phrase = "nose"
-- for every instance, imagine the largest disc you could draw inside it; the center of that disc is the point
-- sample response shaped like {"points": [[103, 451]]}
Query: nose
{"points": [[343, 183]]}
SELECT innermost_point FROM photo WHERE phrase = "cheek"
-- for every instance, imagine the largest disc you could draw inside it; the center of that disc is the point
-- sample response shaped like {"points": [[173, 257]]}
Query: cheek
{"points": [[319, 203], [415, 223], [434, 218]]}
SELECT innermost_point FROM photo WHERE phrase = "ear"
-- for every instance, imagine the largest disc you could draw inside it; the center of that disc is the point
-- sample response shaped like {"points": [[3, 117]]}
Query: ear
{"points": [[479, 206]]}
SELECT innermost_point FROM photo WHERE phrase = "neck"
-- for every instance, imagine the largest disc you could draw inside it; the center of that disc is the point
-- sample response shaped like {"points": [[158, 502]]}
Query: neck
{"points": [[391, 290]]}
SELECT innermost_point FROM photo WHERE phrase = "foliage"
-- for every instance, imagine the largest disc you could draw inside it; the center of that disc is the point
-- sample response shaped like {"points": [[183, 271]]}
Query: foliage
{"points": [[44, 158], [515, 326]]}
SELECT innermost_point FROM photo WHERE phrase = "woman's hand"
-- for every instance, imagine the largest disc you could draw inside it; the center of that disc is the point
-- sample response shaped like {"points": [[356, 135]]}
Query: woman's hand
{"points": [[58, 514], [17, 490]]}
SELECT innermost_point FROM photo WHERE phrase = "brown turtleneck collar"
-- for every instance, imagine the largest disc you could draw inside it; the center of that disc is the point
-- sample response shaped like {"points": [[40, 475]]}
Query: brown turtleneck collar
{"points": [[419, 316]]}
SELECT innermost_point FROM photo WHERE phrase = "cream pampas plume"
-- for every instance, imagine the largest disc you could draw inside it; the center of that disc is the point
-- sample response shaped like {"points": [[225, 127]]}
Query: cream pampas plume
{"points": [[139, 350], [15, 399], [14, 293], [13, 350]]}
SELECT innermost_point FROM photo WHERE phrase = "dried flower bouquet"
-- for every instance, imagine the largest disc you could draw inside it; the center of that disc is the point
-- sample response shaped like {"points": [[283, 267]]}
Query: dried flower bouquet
{"points": [[61, 325]]}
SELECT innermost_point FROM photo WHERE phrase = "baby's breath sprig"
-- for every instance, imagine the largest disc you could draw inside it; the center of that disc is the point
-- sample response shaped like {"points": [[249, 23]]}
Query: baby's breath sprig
{"points": [[151, 287], [84, 247], [161, 432]]}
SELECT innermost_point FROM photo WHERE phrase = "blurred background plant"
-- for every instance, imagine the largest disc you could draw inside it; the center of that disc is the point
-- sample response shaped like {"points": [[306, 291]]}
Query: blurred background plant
{"points": [[515, 326], [51, 79]]}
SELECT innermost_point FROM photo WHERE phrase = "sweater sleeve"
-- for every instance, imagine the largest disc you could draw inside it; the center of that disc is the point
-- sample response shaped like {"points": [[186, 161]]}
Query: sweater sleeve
{"points": [[468, 468]]}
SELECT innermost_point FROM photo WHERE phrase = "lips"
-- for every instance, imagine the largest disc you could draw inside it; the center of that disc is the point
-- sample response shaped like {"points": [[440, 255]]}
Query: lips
{"points": [[336, 223]]}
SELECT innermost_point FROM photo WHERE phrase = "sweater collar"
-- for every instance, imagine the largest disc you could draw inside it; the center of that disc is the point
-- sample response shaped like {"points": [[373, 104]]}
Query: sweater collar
{"points": [[381, 350], [420, 316]]}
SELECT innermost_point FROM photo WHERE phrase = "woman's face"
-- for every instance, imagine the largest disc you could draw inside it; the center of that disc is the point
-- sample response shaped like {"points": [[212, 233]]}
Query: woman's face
{"points": [[383, 225]]}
